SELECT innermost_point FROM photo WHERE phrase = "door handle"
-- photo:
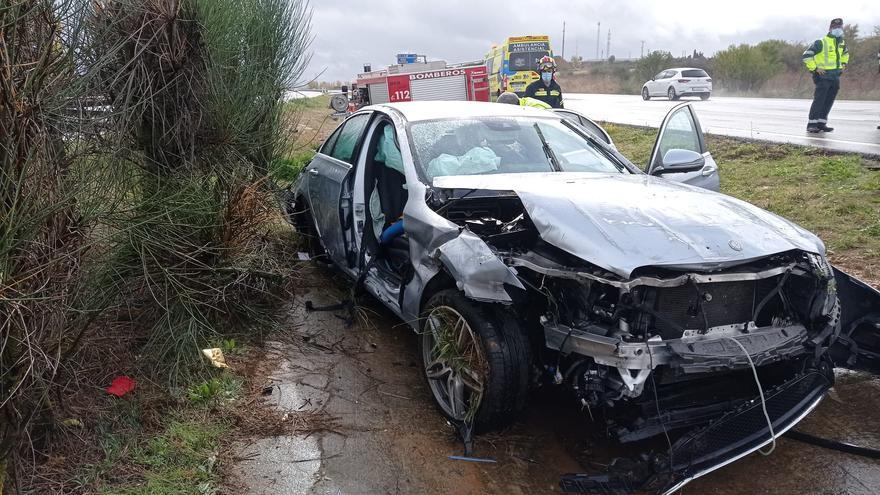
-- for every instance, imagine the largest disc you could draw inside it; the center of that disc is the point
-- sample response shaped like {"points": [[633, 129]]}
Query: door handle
{"points": [[313, 171]]}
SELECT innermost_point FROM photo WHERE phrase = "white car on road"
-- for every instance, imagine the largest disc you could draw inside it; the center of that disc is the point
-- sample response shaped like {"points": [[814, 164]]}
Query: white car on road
{"points": [[675, 83]]}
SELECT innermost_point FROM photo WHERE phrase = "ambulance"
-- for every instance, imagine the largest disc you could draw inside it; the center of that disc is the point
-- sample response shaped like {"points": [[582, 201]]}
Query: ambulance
{"points": [[513, 65]]}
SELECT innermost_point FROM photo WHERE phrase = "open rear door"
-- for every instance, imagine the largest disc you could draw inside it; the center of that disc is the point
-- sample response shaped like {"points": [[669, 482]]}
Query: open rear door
{"points": [[858, 346]]}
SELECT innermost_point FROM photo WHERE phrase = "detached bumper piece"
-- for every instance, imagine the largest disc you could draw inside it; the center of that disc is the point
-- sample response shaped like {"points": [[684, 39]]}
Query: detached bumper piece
{"points": [[731, 437]]}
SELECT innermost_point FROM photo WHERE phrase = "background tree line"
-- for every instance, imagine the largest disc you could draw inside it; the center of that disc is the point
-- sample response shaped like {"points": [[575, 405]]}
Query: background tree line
{"points": [[769, 68]]}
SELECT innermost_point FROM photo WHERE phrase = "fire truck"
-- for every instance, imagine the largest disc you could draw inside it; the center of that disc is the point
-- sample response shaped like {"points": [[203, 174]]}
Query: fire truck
{"points": [[417, 79]]}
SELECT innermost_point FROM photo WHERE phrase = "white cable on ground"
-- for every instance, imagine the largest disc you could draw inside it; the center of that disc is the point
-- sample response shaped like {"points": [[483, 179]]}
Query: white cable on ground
{"points": [[761, 392]]}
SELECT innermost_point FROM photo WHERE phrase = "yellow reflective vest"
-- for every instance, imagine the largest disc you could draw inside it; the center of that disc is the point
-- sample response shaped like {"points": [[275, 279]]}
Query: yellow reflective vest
{"points": [[526, 101], [828, 53]]}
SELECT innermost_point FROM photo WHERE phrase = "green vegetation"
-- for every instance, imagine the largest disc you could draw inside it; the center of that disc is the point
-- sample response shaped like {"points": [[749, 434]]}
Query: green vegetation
{"points": [[132, 238], [177, 456], [836, 196]]}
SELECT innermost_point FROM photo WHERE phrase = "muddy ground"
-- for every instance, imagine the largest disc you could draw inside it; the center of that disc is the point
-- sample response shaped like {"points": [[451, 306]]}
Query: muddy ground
{"points": [[392, 440]]}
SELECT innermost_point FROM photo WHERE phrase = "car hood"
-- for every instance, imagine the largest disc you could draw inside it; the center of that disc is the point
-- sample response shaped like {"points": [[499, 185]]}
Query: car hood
{"points": [[623, 222]]}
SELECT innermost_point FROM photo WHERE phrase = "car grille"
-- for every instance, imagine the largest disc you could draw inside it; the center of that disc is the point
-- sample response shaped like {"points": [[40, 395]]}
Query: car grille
{"points": [[715, 304], [742, 430]]}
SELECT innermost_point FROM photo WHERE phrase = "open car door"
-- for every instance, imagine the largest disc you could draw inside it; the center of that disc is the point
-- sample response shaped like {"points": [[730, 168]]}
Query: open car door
{"points": [[858, 345], [680, 151], [586, 123]]}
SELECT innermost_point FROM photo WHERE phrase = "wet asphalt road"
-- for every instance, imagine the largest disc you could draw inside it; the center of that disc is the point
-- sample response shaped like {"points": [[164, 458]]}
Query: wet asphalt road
{"points": [[771, 119], [393, 440]]}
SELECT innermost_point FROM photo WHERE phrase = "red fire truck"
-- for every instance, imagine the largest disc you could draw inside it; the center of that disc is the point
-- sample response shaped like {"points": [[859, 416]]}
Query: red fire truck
{"points": [[435, 80]]}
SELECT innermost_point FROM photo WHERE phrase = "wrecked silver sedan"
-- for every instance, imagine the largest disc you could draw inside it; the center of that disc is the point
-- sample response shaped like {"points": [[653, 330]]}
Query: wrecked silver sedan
{"points": [[527, 251]]}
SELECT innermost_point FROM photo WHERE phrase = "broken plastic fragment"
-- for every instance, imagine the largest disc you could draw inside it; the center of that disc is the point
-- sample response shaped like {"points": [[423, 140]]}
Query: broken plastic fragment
{"points": [[215, 355], [120, 386], [302, 256]]}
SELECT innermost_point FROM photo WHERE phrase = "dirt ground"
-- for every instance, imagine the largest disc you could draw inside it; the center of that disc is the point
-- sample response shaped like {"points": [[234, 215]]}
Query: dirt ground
{"points": [[392, 440]]}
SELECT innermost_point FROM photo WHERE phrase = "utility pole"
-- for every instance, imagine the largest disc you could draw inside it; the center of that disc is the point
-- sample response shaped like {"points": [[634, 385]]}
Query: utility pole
{"points": [[643, 50], [563, 40], [608, 45], [598, 28]]}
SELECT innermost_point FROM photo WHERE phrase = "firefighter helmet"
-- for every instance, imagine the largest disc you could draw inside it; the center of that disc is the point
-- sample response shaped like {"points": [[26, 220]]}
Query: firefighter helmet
{"points": [[546, 64]]}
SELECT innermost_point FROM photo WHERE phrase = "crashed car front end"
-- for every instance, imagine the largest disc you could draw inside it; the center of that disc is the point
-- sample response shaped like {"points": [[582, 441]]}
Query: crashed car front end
{"points": [[670, 349]]}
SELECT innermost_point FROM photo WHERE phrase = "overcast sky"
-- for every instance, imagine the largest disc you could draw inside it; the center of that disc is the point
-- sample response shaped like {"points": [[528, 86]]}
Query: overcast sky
{"points": [[348, 33]]}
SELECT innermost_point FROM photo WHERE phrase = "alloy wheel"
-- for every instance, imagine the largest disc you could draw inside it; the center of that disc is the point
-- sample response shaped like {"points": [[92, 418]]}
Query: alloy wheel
{"points": [[454, 362]]}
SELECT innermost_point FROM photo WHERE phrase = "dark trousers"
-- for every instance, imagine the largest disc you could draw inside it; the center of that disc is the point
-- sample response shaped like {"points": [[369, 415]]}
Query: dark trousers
{"points": [[823, 99]]}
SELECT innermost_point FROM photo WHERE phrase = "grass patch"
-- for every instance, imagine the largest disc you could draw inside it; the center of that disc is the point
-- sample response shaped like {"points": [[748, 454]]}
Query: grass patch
{"points": [[179, 460], [173, 454], [286, 169], [835, 196]]}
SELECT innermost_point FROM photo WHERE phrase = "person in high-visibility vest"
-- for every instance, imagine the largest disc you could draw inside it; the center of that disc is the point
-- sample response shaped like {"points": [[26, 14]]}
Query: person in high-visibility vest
{"points": [[826, 59], [510, 98]]}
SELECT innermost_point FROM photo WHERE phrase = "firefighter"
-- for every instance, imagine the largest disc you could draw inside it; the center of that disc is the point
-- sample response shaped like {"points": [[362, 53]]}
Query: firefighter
{"points": [[546, 89], [510, 97], [826, 58]]}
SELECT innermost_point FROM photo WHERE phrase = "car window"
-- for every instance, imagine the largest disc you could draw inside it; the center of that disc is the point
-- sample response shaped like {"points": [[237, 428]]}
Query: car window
{"points": [[659, 75], [349, 136], [586, 124], [569, 116], [595, 130], [680, 133], [694, 73], [328, 144], [495, 145]]}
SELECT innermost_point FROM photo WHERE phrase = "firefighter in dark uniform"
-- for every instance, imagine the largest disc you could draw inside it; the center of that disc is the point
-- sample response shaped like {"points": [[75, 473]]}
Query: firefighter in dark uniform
{"points": [[546, 89]]}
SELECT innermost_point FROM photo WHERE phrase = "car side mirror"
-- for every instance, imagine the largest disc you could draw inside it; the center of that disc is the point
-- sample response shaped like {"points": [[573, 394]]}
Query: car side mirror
{"points": [[652, 78], [677, 161]]}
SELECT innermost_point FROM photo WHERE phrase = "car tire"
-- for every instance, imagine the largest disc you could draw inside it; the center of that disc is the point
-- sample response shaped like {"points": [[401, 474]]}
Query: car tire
{"points": [[494, 358], [671, 94], [645, 94], [304, 224], [704, 96]]}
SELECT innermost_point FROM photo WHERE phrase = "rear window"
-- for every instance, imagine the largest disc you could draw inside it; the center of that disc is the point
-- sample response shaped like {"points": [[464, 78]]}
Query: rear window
{"points": [[694, 73]]}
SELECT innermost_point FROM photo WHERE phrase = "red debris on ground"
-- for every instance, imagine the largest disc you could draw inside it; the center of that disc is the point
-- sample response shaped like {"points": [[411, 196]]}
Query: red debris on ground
{"points": [[121, 385]]}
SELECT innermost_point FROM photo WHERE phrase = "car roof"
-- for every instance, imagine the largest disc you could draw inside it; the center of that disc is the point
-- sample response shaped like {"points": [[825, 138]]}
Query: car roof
{"points": [[685, 68], [414, 111]]}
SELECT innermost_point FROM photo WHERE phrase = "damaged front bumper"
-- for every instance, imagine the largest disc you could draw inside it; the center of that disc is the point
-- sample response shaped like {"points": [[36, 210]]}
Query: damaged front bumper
{"points": [[733, 436], [692, 354]]}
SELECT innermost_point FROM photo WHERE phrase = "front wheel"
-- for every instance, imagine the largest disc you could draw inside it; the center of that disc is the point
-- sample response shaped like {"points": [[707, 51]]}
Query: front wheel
{"points": [[476, 360], [645, 94], [671, 94], [704, 96]]}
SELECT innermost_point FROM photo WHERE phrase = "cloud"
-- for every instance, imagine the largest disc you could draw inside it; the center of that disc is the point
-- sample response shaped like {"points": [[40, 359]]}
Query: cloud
{"points": [[347, 34]]}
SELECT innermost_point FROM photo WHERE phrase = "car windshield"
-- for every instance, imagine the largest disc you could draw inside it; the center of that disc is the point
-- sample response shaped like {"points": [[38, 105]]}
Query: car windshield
{"points": [[694, 73], [526, 60], [500, 145]]}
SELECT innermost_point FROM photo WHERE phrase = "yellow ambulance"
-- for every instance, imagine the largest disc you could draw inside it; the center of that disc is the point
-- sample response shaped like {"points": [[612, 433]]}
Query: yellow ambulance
{"points": [[513, 64]]}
